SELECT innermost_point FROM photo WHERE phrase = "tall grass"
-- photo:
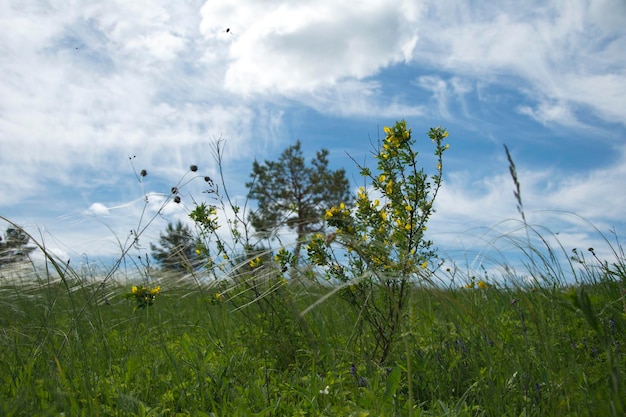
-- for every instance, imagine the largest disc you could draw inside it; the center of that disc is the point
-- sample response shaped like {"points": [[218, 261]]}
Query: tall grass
{"points": [[546, 339], [542, 348]]}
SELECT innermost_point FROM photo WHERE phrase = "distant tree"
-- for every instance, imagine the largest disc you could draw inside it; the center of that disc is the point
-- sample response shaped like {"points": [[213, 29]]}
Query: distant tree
{"points": [[177, 248], [293, 194], [14, 246]]}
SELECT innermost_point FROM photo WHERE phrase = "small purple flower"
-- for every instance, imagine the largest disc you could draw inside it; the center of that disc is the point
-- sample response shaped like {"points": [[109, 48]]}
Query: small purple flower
{"points": [[612, 325], [353, 370]]}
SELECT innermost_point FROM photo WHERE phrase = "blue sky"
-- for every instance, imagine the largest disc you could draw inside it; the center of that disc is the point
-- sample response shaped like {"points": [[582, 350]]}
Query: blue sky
{"points": [[87, 84]]}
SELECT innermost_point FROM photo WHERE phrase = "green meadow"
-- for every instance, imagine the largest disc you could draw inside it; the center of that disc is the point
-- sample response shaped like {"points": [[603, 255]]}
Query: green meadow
{"points": [[370, 321], [73, 344]]}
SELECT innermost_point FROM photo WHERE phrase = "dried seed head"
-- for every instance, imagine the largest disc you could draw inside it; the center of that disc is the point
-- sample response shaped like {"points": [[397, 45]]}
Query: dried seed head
{"points": [[143, 173], [193, 168], [174, 190], [208, 179], [177, 199]]}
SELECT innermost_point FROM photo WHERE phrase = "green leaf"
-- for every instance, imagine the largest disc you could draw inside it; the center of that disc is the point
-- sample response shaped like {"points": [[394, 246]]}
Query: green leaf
{"points": [[393, 381]]}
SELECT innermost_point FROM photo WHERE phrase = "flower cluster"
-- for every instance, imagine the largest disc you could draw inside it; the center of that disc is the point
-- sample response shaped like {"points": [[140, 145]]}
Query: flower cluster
{"points": [[256, 262], [143, 296], [337, 212], [386, 234], [480, 284]]}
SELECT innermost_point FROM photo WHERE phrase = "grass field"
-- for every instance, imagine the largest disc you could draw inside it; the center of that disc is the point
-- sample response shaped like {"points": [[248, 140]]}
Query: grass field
{"points": [[72, 345]]}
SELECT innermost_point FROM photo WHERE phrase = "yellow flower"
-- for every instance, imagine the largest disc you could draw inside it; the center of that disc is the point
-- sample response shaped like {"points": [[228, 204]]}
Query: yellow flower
{"points": [[387, 130], [407, 226], [255, 262], [382, 178], [439, 167], [218, 296], [156, 290], [197, 251], [134, 290], [388, 188], [342, 206], [483, 285], [329, 213], [424, 265], [408, 208], [447, 145], [376, 203], [383, 214]]}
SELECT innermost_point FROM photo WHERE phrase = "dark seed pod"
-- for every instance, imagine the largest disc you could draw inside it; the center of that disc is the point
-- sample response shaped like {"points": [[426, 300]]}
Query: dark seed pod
{"points": [[174, 190], [193, 168], [177, 199], [143, 173]]}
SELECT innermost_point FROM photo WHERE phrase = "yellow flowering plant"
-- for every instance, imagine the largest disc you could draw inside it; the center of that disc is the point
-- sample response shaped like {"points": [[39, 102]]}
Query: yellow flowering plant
{"points": [[143, 296], [383, 234]]}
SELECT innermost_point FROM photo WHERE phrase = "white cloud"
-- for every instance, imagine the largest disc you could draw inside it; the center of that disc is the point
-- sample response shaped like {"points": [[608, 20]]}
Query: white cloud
{"points": [[592, 195], [98, 209], [164, 46], [472, 212], [547, 113], [559, 52], [85, 87], [290, 48], [445, 93]]}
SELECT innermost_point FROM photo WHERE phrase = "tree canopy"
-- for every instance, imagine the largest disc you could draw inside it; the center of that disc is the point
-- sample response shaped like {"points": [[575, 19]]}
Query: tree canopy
{"points": [[295, 194]]}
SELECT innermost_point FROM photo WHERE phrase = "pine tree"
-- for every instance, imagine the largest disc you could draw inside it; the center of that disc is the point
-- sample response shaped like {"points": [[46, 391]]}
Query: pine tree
{"points": [[177, 248], [296, 195]]}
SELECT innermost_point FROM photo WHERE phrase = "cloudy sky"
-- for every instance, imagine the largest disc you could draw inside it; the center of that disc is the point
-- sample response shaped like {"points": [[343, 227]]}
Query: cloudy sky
{"points": [[91, 92]]}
